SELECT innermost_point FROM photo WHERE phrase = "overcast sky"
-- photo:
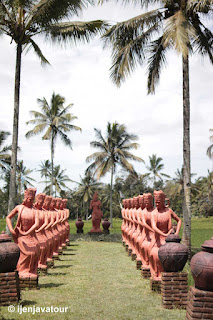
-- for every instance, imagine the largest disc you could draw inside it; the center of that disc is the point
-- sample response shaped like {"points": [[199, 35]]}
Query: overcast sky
{"points": [[81, 75]]}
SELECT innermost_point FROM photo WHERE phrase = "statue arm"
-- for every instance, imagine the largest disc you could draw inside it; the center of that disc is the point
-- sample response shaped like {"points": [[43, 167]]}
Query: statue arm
{"points": [[145, 224], [51, 223], [179, 222], [34, 226], [155, 228], [8, 220], [57, 219], [140, 221], [43, 225]]}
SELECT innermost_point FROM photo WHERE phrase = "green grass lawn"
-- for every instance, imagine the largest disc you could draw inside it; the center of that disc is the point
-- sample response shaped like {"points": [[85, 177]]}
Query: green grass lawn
{"points": [[98, 281]]}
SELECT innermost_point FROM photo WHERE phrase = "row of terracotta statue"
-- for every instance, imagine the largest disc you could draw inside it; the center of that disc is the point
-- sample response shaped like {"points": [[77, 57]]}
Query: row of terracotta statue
{"points": [[145, 228], [41, 231]]}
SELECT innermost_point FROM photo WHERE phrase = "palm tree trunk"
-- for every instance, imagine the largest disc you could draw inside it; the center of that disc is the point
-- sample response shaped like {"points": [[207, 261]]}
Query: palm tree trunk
{"points": [[111, 184], [12, 190], [52, 157], [186, 156]]}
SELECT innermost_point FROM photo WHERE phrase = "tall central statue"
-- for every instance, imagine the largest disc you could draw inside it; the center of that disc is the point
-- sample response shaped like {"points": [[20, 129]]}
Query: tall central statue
{"points": [[97, 214]]}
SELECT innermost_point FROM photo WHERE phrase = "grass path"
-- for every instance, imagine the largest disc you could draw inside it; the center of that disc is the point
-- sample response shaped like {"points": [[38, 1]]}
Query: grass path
{"points": [[97, 281]]}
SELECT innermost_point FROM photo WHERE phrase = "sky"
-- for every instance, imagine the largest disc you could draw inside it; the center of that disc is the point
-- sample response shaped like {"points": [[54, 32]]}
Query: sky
{"points": [[81, 74]]}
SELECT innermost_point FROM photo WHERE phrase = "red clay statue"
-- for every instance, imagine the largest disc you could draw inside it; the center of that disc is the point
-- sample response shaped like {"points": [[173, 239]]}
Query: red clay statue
{"points": [[24, 235], [97, 214]]}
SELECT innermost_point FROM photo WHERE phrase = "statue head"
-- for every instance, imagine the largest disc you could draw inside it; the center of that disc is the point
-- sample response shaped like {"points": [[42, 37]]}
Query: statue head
{"points": [[29, 196], [148, 200], [47, 201], [159, 199], [64, 202], [53, 204], [136, 202], [131, 203], [141, 201], [95, 197], [58, 203], [124, 203], [39, 200]]}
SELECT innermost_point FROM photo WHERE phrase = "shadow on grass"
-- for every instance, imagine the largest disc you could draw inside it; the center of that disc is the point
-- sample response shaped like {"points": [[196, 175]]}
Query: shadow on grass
{"points": [[69, 254], [27, 302], [71, 249], [3, 318], [73, 245], [50, 285], [58, 274], [64, 266]]}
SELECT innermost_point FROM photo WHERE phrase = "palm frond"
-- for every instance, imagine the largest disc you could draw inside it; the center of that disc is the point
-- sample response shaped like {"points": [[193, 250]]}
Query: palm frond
{"points": [[38, 51], [36, 130], [156, 61], [177, 32], [203, 42], [75, 31]]}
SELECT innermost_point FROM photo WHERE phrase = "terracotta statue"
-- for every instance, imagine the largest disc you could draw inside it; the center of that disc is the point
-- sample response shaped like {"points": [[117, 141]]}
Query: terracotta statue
{"points": [[40, 231], [141, 235], [66, 217], [60, 225], [161, 221], [54, 227], [123, 225], [136, 233], [148, 232], [24, 235], [97, 214], [48, 228]]}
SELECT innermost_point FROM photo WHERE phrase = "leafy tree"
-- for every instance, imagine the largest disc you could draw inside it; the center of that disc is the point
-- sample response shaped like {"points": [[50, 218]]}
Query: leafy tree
{"points": [[23, 178], [45, 168], [5, 156], [86, 188], [147, 38], [209, 151], [114, 151], [155, 167], [55, 120], [59, 180], [21, 20]]}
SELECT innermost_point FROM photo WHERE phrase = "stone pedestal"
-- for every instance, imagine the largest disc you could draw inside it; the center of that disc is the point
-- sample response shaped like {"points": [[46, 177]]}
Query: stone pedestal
{"points": [[133, 256], [9, 288], [123, 243], [129, 252], [155, 285], [126, 247], [174, 289], [138, 264], [28, 283], [145, 273], [200, 304]]}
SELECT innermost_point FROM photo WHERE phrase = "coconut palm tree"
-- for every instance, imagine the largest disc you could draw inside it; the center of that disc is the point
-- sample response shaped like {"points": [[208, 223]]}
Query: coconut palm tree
{"points": [[21, 20], [114, 151], [147, 38], [154, 168], [45, 168], [23, 178], [5, 156], [59, 181], [55, 120], [86, 188], [209, 151]]}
